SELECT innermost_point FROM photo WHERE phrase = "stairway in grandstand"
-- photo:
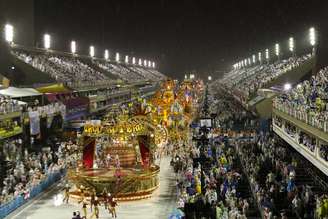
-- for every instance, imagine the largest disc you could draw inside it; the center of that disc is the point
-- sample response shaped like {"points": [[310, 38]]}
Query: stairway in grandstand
{"points": [[245, 190]]}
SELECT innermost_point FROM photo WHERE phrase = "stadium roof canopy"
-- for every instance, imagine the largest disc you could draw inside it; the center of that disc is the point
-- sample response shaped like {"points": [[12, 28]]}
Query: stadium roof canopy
{"points": [[19, 92]]}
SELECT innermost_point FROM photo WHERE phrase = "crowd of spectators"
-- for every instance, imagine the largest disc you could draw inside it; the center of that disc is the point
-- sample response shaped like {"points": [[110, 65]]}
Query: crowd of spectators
{"points": [[246, 81], [68, 70], [8, 105], [308, 100], [25, 170], [272, 173], [219, 195]]}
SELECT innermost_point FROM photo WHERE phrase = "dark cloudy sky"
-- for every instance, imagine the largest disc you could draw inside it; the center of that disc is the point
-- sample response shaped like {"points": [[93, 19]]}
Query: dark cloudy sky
{"points": [[181, 35]]}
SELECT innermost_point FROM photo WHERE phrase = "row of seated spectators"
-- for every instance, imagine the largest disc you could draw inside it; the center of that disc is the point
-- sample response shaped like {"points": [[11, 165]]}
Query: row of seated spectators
{"points": [[248, 80], [73, 72], [61, 68], [304, 139], [272, 173], [130, 73], [25, 170], [308, 101]]}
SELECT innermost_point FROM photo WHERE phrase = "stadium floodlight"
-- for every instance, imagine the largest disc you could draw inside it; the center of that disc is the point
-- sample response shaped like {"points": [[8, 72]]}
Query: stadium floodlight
{"points": [[92, 51], [149, 64], [312, 36], [154, 65], [140, 62], [291, 44], [209, 78], [254, 59], [277, 49], [117, 57], [185, 77], [249, 61], [145, 63], [267, 54], [9, 33], [133, 60], [73, 47], [126, 59], [245, 62], [106, 54], [260, 57], [47, 41], [287, 86]]}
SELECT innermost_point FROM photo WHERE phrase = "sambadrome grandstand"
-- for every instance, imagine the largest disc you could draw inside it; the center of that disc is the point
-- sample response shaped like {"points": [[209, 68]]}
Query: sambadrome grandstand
{"points": [[256, 137]]}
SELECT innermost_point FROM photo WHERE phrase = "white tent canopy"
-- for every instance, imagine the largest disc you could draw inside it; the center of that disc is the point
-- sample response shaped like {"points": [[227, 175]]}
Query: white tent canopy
{"points": [[19, 92]]}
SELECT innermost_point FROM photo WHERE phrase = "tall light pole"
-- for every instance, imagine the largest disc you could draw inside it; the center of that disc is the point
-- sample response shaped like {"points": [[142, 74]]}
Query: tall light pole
{"points": [[117, 57], [260, 57], [313, 39], [46, 41], [9, 33], [277, 50], [291, 45], [92, 51], [73, 47], [106, 54], [267, 55]]}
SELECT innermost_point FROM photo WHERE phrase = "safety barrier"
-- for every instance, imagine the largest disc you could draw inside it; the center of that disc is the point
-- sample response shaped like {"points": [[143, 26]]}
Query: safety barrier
{"points": [[18, 201]]}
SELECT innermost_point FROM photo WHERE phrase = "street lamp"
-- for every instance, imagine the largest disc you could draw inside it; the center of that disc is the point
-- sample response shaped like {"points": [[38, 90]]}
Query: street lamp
{"points": [[73, 47], [47, 41], [9, 33], [92, 51]]}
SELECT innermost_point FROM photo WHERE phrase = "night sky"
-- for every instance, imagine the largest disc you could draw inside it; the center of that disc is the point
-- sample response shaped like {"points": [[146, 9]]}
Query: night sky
{"points": [[182, 35]]}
